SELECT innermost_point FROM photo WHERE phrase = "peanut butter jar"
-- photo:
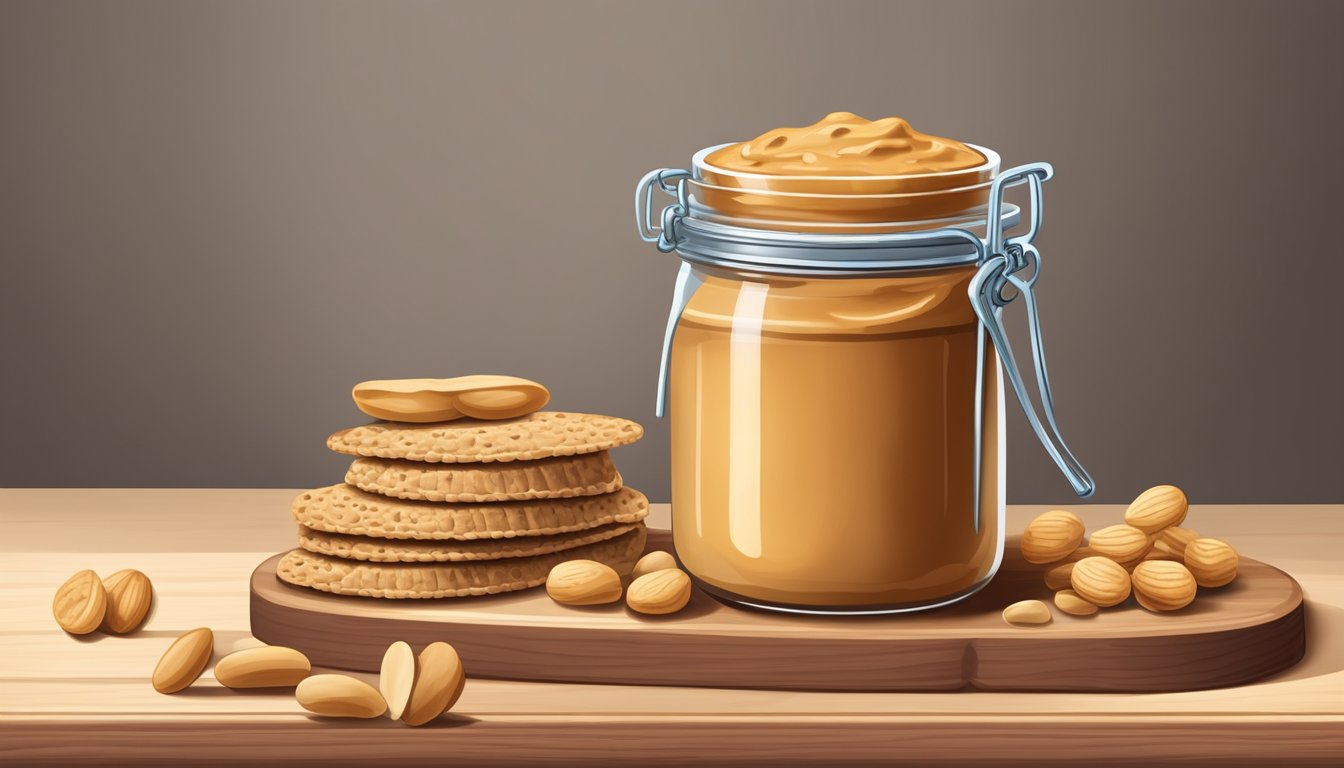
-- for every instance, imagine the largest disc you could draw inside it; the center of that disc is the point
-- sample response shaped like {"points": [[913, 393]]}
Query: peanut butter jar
{"points": [[835, 359]]}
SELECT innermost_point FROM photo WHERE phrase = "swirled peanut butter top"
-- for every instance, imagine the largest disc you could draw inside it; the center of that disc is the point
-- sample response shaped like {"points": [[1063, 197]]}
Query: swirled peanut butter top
{"points": [[844, 144]]}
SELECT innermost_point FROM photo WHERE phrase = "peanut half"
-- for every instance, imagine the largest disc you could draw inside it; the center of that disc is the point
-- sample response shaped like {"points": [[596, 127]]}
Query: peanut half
{"points": [[339, 696], [272, 666], [439, 680], [396, 678], [184, 661], [1030, 612]]}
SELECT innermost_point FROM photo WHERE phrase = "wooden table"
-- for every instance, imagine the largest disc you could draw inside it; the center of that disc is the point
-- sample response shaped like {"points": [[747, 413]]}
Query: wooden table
{"points": [[65, 700]]}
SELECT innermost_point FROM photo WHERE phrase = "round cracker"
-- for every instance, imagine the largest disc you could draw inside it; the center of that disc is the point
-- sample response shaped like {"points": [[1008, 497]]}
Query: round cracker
{"points": [[422, 581], [348, 510], [418, 551], [535, 436], [560, 477]]}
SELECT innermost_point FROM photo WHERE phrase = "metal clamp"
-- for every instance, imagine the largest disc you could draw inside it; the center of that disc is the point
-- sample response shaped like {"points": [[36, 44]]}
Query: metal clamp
{"points": [[663, 234], [1003, 267]]}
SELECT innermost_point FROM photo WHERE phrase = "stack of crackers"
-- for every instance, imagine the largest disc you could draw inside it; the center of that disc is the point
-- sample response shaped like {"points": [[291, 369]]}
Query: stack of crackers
{"points": [[468, 507]]}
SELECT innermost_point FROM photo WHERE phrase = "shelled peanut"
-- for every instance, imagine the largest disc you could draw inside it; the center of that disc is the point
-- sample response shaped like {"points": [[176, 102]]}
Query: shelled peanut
{"points": [[1148, 556], [658, 586]]}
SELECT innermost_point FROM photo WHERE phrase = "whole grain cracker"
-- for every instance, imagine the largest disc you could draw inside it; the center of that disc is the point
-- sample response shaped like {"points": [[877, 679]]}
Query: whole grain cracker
{"points": [[422, 581], [419, 551], [535, 436], [348, 510], [554, 478]]}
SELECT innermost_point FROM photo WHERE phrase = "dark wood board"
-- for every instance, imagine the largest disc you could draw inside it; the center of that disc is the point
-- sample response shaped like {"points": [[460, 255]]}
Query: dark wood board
{"points": [[1228, 636]]}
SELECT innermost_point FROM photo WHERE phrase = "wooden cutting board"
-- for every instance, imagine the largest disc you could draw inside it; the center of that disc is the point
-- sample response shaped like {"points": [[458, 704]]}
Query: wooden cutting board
{"points": [[1228, 636]]}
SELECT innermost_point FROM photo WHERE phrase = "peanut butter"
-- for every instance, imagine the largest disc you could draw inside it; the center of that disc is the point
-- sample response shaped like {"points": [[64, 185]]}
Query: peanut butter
{"points": [[846, 173], [823, 441], [844, 144]]}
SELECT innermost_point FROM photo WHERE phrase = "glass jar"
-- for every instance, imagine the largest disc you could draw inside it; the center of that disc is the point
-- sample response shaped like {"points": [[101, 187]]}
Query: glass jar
{"points": [[832, 364]]}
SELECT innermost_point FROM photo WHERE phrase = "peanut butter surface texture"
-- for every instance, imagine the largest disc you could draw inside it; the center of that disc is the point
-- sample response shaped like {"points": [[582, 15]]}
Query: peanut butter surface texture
{"points": [[844, 144], [430, 400]]}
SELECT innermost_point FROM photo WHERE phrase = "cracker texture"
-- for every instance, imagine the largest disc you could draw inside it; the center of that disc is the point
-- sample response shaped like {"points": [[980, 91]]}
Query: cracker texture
{"points": [[424, 581], [535, 436], [558, 477], [347, 510], [419, 551]]}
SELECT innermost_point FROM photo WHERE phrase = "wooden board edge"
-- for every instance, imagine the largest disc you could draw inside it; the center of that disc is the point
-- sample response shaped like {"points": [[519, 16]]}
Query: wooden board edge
{"points": [[1143, 665]]}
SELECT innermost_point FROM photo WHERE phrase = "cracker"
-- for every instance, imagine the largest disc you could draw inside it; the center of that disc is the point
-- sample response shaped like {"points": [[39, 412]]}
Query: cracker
{"points": [[535, 436], [555, 478], [348, 510], [418, 551], [419, 581]]}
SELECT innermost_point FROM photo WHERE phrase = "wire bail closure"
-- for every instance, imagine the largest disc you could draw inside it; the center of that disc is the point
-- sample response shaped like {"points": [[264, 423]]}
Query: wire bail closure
{"points": [[1003, 267], [1002, 262]]}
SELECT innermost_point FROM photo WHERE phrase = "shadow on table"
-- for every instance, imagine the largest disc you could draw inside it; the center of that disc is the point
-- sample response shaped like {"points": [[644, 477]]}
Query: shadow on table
{"points": [[449, 720], [207, 691]]}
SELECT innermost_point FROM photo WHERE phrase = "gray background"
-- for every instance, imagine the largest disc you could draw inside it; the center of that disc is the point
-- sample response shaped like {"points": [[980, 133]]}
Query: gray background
{"points": [[216, 217]]}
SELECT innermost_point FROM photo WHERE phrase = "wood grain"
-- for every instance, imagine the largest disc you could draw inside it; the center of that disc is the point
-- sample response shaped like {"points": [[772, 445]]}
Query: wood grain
{"points": [[65, 700]]}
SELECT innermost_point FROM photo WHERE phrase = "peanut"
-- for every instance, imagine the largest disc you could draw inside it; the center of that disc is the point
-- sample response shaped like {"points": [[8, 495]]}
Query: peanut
{"points": [[1157, 508], [80, 603], [1027, 612], [1213, 562], [660, 592], [583, 582], [1052, 536]]}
